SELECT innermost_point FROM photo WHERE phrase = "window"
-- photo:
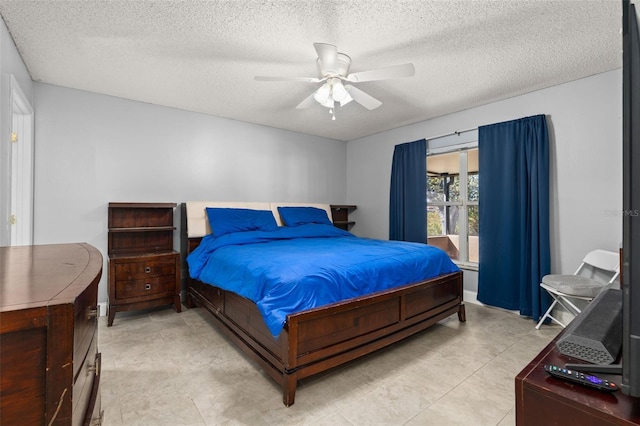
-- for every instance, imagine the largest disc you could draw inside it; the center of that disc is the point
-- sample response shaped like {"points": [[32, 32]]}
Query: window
{"points": [[452, 204]]}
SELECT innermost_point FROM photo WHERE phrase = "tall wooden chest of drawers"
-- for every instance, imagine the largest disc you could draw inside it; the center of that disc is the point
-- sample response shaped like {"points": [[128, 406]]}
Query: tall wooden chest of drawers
{"points": [[49, 359], [144, 270]]}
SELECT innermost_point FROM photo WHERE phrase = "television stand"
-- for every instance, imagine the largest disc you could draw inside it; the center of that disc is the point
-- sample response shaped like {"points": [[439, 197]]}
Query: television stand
{"points": [[545, 400]]}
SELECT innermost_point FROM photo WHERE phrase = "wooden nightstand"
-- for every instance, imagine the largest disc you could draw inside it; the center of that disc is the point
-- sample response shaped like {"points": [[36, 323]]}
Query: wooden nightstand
{"points": [[144, 270]]}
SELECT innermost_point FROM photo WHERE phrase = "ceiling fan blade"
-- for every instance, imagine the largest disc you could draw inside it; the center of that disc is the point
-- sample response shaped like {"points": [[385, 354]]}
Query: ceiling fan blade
{"points": [[308, 101], [328, 57], [367, 101], [298, 79], [394, 71]]}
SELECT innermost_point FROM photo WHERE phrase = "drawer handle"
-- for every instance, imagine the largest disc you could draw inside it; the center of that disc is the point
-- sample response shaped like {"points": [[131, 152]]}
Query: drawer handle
{"points": [[92, 313], [147, 270], [97, 421], [147, 286], [94, 368]]}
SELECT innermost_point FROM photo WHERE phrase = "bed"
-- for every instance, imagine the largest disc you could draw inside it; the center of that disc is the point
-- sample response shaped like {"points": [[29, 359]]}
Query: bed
{"points": [[314, 339]]}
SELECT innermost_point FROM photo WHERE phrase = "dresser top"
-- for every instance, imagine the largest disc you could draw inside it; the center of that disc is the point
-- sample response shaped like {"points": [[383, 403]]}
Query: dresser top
{"points": [[41, 275]]}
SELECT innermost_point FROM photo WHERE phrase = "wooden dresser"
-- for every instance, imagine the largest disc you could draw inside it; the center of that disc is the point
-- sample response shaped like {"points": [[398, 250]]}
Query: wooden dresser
{"points": [[144, 270], [545, 400], [49, 359]]}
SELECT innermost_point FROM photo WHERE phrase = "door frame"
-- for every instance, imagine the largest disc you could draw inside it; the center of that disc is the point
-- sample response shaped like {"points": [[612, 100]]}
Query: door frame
{"points": [[22, 167]]}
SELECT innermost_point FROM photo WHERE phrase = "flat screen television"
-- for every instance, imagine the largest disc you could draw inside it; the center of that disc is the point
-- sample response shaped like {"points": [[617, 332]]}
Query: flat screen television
{"points": [[630, 282]]}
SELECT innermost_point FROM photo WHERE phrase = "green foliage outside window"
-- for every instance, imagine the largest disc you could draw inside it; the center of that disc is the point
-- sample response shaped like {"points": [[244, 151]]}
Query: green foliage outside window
{"points": [[434, 223], [473, 185], [436, 193]]}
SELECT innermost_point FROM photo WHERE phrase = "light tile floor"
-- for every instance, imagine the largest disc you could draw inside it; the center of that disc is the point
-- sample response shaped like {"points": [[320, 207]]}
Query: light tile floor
{"points": [[164, 368]]}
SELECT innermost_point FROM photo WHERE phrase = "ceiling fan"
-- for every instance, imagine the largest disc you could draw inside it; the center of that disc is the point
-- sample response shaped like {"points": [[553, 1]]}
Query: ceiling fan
{"points": [[333, 72]]}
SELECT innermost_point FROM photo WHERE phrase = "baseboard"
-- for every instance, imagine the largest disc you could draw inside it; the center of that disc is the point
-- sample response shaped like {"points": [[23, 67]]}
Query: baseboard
{"points": [[560, 313], [469, 296], [103, 308]]}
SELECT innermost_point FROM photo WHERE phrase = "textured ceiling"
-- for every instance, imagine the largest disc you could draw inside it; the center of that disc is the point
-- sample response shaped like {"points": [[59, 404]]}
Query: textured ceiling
{"points": [[202, 55]]}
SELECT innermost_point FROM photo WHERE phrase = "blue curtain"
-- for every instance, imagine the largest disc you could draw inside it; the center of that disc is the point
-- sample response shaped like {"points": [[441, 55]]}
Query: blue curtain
{"points": [[408, 199], [514, 215]]}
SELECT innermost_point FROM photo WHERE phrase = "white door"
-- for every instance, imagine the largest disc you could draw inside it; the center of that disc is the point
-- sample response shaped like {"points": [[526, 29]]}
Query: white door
{"points": [[21, 214]]}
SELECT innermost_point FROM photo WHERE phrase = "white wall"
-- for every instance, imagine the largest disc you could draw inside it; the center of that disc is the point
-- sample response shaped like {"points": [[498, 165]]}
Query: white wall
{"points": [[585, 126], [92, 149], [10, 64]]}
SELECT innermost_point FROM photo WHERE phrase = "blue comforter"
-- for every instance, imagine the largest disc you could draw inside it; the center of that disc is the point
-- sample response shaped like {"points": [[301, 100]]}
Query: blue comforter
{"points": [[293, 269]]}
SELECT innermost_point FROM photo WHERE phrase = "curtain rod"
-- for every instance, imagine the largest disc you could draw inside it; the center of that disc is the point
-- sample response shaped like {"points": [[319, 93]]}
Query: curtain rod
{"points": [[456, 132]]}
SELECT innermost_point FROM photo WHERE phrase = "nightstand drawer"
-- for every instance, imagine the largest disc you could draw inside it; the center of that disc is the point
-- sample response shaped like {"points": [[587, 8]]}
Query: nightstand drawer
{"points": [[146, 268], [137, 288]]}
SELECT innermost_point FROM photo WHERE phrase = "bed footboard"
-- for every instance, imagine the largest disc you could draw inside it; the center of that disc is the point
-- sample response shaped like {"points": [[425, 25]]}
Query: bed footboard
{"points": [[322, 338]]}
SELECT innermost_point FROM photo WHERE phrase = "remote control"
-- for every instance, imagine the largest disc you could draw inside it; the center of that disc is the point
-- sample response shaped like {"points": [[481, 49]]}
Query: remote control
{"points": [[581, 378]]}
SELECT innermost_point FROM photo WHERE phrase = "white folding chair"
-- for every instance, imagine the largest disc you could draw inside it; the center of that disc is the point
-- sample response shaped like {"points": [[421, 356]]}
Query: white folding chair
{"points": [[565, 288]]}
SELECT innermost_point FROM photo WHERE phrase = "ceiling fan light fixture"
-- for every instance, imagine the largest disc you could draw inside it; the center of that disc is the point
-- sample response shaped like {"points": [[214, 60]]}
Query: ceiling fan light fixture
{"points": [[323, 94], [332, 92], [338, 91]]}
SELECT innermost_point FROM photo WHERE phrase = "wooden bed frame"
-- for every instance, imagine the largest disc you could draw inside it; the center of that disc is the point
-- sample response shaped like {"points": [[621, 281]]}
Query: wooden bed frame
{"points": [[318, 339]]}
